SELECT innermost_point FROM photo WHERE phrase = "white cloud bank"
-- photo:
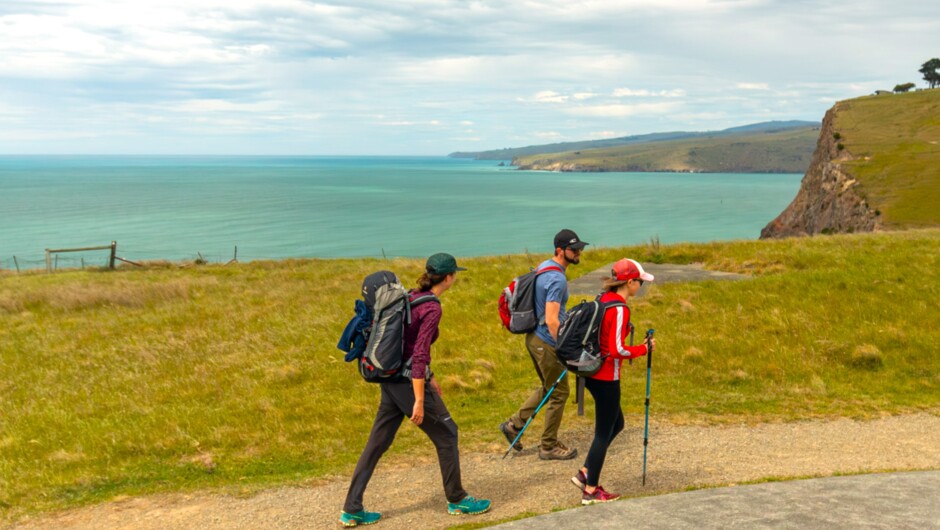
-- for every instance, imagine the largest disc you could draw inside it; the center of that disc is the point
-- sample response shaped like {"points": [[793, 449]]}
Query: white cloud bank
{"points": [[290, 76]]}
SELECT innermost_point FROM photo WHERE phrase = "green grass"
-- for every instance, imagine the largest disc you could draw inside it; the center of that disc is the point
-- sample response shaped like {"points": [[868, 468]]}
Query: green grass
{"points": [[174, 379], [895, 141], [787, 151]]}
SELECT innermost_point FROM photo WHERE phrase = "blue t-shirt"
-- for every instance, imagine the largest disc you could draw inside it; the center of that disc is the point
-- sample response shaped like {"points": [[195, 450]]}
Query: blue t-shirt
{"points": [[551, 286]]}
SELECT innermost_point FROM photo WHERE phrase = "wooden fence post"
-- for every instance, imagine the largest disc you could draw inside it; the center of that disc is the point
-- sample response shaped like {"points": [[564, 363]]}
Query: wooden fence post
{"points": [[113, 254], [17, 265], [48, 261]]}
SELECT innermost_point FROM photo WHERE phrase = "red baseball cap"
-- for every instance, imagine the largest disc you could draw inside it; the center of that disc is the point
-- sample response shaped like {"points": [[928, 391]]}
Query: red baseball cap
{"points": [[628, 269]]}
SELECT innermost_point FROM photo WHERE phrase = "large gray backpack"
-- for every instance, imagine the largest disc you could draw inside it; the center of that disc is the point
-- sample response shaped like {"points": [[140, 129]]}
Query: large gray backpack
{"points": [[391, 312]]}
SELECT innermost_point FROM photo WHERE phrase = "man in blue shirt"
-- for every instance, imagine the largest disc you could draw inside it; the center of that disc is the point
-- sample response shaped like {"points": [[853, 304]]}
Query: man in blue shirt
{"points": [[551, 298]]}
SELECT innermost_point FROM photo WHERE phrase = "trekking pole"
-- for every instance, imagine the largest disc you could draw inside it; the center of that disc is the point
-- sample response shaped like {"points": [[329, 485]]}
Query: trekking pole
{"points": [[646, 426], [544, 399]]}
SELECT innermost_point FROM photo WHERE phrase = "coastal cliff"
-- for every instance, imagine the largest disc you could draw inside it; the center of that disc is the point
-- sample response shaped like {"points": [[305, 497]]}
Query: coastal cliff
{"points": [[829, 200]]}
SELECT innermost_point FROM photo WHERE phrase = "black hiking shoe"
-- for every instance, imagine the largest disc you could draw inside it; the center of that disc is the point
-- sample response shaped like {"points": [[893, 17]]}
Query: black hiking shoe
{"points": [[510, 433]]}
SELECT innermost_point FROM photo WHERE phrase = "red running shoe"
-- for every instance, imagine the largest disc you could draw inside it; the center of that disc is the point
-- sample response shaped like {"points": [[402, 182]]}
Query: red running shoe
{"points": [[599, 495]]}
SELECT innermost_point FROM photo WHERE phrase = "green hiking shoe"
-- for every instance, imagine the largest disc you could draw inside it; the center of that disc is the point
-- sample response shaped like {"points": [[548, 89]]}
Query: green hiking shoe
{"points": [[468, 506], [360, 517]]}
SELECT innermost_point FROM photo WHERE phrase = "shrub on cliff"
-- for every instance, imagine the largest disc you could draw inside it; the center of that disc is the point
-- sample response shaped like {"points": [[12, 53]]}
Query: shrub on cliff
{"points": [[903, 88]]}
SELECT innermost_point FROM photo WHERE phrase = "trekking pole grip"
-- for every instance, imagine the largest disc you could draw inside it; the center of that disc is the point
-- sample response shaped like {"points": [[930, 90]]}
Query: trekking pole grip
{"points": [[649, 347]]}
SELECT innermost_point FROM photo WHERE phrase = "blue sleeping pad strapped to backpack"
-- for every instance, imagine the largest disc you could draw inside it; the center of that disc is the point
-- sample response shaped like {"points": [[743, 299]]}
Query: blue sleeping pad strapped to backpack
{"points": [[353, 339]]}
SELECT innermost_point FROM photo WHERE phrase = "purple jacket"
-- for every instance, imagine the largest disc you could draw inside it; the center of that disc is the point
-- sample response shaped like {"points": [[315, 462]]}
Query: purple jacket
{"points": [[420, 335]]}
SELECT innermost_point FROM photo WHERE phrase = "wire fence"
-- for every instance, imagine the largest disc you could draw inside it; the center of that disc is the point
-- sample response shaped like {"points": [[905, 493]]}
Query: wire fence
{"points": [[131, 255]]}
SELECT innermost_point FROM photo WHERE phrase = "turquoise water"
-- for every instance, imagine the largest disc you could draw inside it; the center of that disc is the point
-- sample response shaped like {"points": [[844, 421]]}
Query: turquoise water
{"points": [[275, 207]]}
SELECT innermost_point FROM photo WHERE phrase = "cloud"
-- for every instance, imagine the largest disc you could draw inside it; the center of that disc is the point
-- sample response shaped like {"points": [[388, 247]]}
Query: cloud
{"points": [[548, 96], [605, 134], [626, 92], [753, 86], [276, 73], [200, 106], [620, 110], [406, 123]]}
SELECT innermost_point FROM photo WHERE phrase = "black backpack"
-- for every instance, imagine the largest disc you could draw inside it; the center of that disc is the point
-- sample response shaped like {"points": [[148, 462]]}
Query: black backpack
{"points": [[390, 303], [578, 346], [517, 302]]}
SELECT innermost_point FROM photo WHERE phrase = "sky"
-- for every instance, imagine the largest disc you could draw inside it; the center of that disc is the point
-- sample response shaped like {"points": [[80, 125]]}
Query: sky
{"points": [[428, 77]]}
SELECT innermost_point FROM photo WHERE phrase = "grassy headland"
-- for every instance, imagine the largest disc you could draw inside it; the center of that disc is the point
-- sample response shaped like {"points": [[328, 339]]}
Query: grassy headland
{"points": [[511, 153], [170, 379], [895, 144], [782, 151]]}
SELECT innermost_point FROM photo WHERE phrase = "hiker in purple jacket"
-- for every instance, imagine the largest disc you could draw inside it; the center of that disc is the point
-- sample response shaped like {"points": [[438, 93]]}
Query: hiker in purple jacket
{"points": [[420, 400]]}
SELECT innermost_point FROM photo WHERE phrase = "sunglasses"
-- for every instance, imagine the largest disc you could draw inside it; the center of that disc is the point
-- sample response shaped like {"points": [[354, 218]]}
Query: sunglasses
{"points": [[639, 280]]}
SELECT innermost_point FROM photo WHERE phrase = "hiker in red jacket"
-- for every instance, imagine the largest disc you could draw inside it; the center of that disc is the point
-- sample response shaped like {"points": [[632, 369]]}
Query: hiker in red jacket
{"points": [[626, 278]]}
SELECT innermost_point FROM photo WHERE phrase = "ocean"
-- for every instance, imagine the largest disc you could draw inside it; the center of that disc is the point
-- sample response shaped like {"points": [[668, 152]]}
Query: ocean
{"points": [[182, 207]]}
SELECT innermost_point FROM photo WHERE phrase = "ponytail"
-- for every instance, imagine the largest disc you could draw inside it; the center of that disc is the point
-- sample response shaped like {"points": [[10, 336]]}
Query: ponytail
{"points": [[428, 280], [611, 285]]}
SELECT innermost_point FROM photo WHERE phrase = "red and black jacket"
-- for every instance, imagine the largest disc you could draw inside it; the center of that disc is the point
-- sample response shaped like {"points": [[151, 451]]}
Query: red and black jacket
{"points": [[614, 339]]}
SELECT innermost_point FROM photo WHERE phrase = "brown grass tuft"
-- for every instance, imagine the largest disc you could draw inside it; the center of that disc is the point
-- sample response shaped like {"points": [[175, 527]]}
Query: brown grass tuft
{"points": [[486, 365], [456, 381], [201, 461], [866, 357], [693, 354], [76, 296], [64, 457]]}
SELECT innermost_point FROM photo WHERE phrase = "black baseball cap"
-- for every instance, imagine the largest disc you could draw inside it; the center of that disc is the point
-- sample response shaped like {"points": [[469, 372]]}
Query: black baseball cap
{"points": [[442, 263], [568, 239]]}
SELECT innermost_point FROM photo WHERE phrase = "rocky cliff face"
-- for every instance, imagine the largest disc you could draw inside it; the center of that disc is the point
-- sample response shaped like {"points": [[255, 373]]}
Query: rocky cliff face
{"points": [[554, 166], [828, 201]]}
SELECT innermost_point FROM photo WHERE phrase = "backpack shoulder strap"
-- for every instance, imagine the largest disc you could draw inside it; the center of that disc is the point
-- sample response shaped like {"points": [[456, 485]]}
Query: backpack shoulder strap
{"points": [[423, 299], [411, 303], [549, 268]]}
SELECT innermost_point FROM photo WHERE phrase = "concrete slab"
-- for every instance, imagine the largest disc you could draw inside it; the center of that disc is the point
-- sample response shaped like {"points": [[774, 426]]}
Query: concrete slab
{"points": [[887, 500], [590, 283]]}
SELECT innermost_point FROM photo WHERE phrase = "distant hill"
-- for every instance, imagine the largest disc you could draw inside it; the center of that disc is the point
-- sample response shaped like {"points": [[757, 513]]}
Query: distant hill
{"points": [[744, 150], [512, 153], [876, 166]]}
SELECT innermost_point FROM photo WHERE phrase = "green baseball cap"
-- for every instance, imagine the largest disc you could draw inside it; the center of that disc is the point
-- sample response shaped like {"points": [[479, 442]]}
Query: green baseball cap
{"points": [[442, 263]]}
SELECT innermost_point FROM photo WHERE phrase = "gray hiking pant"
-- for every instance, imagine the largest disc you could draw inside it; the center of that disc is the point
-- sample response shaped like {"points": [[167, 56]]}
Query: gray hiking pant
{"points": [[398, 401], [548, 369]]}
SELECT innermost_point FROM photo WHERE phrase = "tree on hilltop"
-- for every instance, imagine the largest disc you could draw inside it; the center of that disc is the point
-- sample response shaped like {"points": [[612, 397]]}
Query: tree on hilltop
{"points": [[903, 88], [930, 71]]}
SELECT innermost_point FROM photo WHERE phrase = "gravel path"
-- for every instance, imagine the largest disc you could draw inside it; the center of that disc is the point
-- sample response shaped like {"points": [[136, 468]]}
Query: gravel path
{"points": [[590, 283], [680, 457]]}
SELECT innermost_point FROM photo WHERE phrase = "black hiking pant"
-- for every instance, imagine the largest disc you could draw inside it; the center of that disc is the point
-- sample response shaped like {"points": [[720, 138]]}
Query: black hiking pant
{"points": [[398, 400], [608, 423]]}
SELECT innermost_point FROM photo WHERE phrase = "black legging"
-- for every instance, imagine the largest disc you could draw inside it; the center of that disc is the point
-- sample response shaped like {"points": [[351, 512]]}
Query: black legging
{"points": [[608, 422]]}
